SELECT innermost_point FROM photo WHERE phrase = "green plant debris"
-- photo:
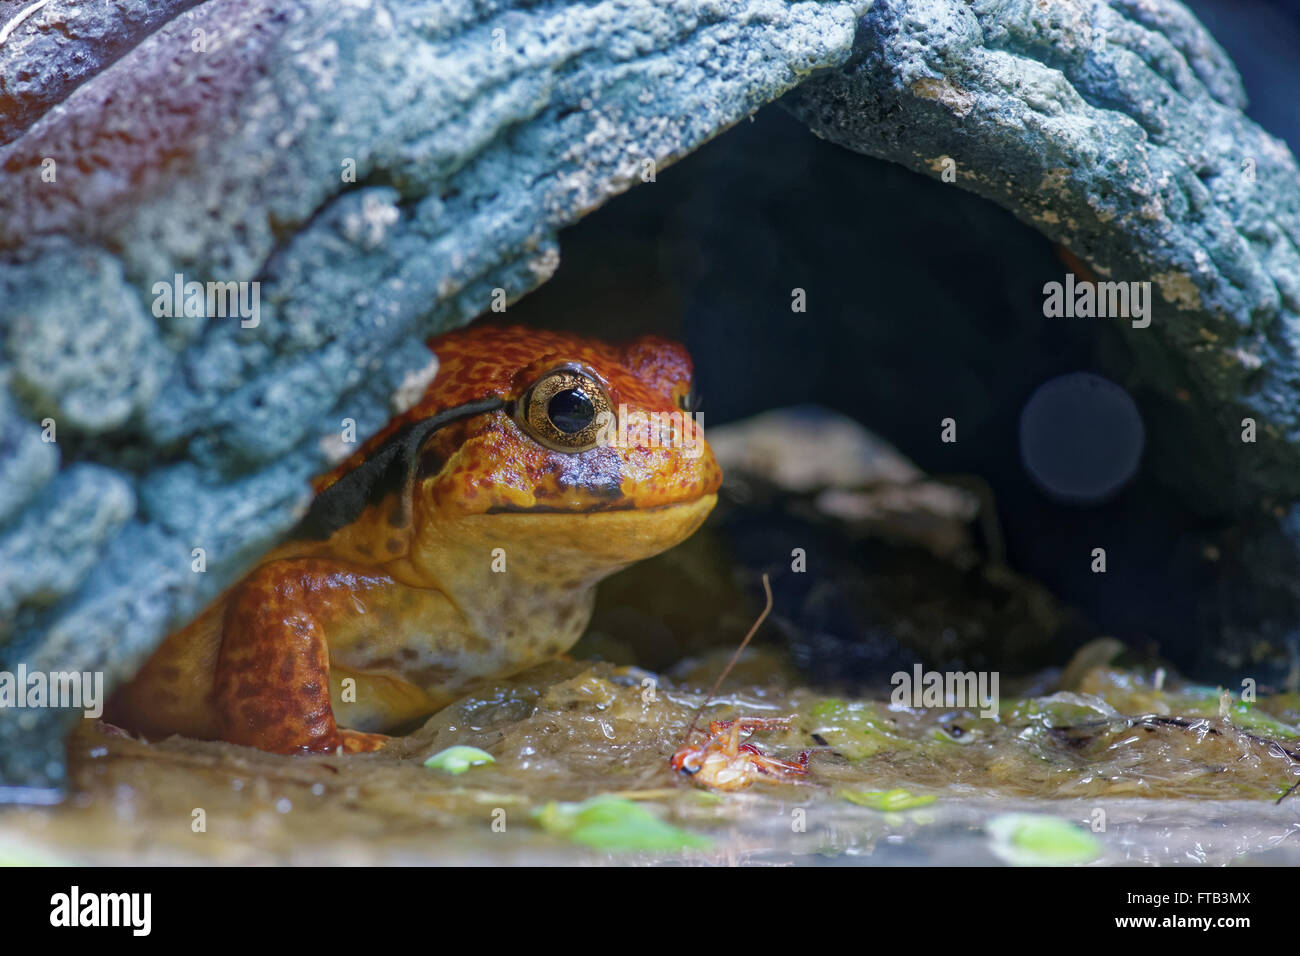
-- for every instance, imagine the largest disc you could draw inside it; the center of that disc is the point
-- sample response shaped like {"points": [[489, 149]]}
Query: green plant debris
{"points": [[613, 823], [855, 729], [1253, 720], [887, 800], [457, 760], [1285, 707], [1064, 709], [24, 855], [1037, 839], [1198, 701]]}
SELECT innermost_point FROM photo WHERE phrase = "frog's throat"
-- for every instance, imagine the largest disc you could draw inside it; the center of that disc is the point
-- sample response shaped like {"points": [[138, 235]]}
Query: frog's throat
{"points": [[523, 585]]}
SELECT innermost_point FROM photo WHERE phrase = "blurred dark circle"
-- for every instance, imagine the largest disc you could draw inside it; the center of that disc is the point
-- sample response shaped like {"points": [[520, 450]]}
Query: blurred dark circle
{"points": [[1081, 438]]}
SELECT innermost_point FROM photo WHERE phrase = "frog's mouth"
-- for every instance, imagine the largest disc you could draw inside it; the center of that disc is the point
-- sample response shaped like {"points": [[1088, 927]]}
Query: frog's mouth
{"points": [[602, 537], [592, 495], [595, 508]]}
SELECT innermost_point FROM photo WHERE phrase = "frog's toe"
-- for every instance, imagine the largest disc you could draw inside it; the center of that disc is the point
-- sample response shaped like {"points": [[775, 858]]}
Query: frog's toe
{"points": [[357, 742]]}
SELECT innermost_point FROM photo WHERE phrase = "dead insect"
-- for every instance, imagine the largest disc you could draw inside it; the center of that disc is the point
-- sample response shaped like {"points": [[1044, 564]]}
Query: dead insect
{"points": [[721, 761]]}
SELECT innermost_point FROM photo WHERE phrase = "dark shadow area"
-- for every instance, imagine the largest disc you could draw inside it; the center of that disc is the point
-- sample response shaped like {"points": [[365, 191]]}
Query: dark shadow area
{"points": [[923, 303]]}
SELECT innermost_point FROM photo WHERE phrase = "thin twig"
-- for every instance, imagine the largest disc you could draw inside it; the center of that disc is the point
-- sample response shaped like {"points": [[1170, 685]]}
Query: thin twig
{"points": [[767, 588]]}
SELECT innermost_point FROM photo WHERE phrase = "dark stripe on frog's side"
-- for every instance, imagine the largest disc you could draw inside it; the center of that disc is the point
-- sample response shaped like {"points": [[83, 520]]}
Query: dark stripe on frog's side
{"points": [[385, 471]]}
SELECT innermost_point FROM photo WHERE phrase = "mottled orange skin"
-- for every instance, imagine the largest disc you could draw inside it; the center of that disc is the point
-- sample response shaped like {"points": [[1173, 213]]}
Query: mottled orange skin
{"points": [[404, 600]]}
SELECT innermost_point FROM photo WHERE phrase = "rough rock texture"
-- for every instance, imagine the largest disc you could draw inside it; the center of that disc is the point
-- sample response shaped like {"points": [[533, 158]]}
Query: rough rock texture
{"points": [[51, 47], [1116, 129], [381, 169]]}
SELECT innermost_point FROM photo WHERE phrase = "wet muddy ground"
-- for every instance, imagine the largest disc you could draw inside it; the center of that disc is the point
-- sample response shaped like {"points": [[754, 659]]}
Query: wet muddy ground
{"points": [[1118, 771]]}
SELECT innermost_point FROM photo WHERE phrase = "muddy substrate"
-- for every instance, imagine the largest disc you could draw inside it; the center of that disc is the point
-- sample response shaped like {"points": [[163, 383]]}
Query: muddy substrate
{"points": [[1171, 775]]}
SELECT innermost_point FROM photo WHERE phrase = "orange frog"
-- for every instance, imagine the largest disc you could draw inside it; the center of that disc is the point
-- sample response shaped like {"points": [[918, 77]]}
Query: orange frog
{"points": [[462, 543]]}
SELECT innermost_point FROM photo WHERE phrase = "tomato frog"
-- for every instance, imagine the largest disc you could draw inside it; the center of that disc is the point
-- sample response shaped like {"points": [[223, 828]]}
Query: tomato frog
{"points": [[461, 543]]}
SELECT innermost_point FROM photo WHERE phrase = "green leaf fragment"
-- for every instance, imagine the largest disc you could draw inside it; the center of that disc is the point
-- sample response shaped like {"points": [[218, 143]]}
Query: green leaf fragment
{"points": [[16, 854], [456, 760], [855, 729], [706, 796], [1065, 709], [887, 800], [613, 823], [1037, 839], [1260, 722]]}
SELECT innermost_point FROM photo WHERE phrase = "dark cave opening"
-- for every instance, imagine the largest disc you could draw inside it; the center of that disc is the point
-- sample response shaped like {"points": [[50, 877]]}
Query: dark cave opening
{"points": [[923, 303]]}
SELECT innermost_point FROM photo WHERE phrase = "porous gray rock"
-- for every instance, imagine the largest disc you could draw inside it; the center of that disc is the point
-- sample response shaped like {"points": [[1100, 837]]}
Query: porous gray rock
{"points": [[380, 169]]}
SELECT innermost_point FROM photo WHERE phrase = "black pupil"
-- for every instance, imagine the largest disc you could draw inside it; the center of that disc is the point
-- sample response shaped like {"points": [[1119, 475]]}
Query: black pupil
{"points": [[570, 410]]}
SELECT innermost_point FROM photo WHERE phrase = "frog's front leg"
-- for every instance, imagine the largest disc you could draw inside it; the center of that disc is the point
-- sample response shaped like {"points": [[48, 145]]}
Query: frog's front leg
{"points": [[272, 688]]}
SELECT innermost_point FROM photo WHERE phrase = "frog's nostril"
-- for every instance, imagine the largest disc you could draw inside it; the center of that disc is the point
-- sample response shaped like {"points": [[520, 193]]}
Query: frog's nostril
{"points": [[570, 410]]}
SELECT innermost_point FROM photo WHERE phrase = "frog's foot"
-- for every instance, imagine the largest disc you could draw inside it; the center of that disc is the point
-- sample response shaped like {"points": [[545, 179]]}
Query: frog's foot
{"points": [[272, 688], [359, 742]]}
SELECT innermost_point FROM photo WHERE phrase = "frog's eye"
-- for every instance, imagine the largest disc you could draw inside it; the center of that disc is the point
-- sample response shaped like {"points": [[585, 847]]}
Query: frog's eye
{"points": [[566, 409]]}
